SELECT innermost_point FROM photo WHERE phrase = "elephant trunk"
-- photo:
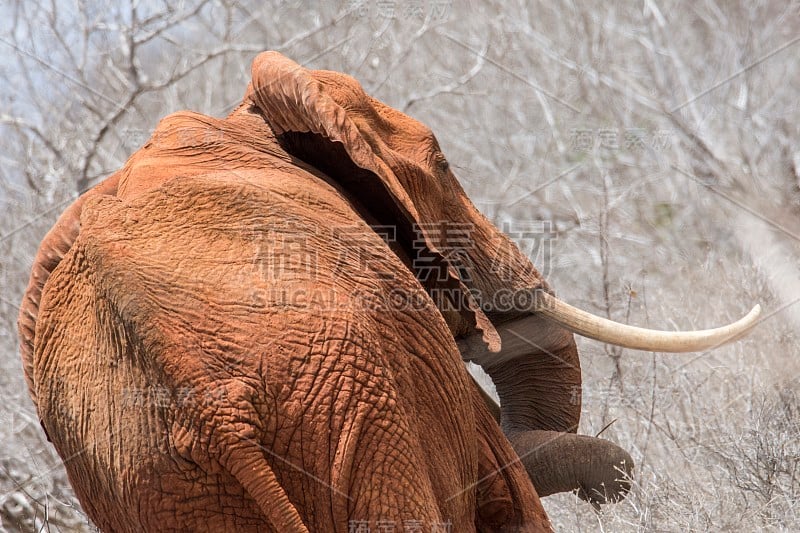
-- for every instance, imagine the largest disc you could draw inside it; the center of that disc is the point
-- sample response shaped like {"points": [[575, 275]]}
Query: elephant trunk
{"points": [[599, 470], [540, 391], [537, 375], [538, 378]]}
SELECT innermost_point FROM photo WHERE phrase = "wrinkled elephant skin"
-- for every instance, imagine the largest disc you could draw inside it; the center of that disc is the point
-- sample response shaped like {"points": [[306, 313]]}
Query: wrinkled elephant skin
{"points": [[217, 337]]}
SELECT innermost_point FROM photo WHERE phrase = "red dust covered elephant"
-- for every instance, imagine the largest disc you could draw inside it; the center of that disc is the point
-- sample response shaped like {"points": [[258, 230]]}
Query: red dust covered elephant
{"points": [[257, 324]]}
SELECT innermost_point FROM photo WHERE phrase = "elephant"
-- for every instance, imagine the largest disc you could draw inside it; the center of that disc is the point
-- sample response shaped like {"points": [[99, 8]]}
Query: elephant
{"points": [[260, 323]]}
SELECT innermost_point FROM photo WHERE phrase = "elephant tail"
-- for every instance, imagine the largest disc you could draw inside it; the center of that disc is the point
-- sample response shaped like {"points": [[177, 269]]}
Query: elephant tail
{"points": [[245, 461]]}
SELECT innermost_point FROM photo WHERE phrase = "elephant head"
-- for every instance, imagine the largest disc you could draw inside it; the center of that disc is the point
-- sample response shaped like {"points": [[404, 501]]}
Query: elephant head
{"points": [[389, 167], [497, 305]]}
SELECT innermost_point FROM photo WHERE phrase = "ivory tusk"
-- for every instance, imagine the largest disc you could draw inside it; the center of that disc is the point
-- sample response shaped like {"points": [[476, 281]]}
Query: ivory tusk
{"points": [[601, 329]]}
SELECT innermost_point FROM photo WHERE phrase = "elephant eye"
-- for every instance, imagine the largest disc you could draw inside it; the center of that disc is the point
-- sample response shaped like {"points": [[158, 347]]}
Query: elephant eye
{"points": [[441, 162]]}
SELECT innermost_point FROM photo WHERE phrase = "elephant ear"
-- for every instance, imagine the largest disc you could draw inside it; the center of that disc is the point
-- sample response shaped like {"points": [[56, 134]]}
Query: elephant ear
{"points": [[52, 250], [327, 120]]}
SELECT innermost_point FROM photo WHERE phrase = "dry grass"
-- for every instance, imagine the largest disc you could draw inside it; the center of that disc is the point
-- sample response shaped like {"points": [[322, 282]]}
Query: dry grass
{"points": [[659, 139]]}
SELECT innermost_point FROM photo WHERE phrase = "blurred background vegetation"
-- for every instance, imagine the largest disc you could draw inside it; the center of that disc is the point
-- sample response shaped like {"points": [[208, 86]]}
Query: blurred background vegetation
{"points": [[658, 140]]}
